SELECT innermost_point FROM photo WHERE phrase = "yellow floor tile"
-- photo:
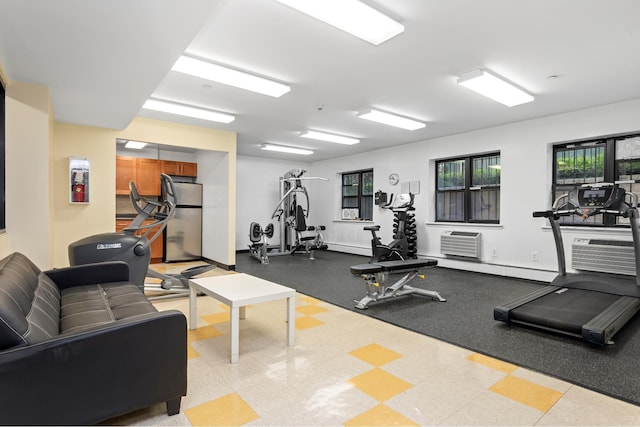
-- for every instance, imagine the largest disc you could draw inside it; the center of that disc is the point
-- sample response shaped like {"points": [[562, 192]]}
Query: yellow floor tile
{"points": [[526, 392], [202, 333], [375, 354], [309, 299], [191, 353], [310, 309], [380, 384], [306, 322], [229, 410], [492, 363], [381, 415], [212, 319]]}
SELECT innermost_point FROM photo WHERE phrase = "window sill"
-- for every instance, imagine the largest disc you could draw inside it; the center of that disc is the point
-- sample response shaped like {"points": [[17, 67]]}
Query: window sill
{"points": [[354, 221]]}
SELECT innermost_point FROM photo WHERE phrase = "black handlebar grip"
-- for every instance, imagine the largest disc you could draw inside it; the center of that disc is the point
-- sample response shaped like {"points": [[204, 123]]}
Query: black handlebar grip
{"points": [[545, 214]]}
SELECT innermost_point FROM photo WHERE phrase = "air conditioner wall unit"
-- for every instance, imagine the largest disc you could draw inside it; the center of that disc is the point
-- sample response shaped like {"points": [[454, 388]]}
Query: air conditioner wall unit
{"points": [[460, 243], [604, 256]]}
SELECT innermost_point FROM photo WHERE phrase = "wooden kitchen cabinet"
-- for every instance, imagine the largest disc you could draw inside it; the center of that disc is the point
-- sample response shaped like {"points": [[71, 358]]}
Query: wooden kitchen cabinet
{"points": [[144, 172], [125, 172], [172, 167], [157, 247], [148, 177]]}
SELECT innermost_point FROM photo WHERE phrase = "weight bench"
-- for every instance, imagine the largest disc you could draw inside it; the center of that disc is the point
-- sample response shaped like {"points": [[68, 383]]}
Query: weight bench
{"points": [[376, 274]]}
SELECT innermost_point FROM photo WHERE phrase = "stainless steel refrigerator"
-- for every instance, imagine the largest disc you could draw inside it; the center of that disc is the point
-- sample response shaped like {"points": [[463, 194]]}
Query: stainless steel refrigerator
{"points": [[183, 234]]}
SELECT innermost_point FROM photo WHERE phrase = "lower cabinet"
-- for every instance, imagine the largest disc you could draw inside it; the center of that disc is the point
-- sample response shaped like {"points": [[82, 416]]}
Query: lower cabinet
{"points": [[157, 246]]}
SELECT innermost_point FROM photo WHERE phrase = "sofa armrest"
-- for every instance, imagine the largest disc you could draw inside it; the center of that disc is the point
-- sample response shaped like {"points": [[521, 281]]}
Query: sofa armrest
{"points": [[96, 375], [90, 274]]}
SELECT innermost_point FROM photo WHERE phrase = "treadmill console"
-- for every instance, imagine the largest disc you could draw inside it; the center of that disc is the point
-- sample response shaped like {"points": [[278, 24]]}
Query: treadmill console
{"points": [[609, 197]]}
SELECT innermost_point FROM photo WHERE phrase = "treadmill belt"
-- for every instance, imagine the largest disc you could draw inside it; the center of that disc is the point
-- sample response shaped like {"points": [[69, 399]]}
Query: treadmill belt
{"points": [[565, 310]]}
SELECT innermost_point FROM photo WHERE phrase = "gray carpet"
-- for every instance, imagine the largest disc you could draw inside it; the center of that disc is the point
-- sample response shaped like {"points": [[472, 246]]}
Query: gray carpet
{"points": [[466, 319]]}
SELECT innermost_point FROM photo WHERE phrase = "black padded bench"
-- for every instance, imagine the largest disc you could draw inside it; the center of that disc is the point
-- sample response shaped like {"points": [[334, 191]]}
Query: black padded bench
{"points": [[375, 274], [397, 266]]}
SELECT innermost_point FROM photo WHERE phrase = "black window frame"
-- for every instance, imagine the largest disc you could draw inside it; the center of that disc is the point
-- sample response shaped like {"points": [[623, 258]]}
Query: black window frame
{"points": [[363, 197], [610, 173], [466, 189]]}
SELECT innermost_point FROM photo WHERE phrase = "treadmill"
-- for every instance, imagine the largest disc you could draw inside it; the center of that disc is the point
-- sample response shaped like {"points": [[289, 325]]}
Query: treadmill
{"points": [[589, 306]]}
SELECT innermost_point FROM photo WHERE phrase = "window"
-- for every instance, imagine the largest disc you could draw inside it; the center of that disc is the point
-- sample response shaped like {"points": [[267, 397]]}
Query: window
{"points": [[600, 160], [357, 192], [468, 189]]}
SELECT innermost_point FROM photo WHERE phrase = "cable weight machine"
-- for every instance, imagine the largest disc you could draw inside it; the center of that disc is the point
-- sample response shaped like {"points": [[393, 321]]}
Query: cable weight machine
{"points": [[291, 212]]}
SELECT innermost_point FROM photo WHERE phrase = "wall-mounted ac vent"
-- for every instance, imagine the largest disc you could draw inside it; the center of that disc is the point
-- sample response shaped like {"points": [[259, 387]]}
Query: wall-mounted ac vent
{"points": [[460, 243], [349, 213], [604, 256]]}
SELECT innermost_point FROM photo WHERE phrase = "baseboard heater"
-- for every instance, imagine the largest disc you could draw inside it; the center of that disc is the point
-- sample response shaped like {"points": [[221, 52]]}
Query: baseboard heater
{"points": [[460, 243], [604, 256]]}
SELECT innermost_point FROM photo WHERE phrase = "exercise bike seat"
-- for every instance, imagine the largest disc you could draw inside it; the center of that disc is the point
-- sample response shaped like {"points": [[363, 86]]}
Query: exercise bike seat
{"points": [[392, 266], [372, 228]]}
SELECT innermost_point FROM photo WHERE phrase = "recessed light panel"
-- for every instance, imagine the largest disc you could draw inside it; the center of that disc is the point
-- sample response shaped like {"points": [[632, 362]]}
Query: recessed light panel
{"points": [[351, 16], [285, 149], [136, 145], [492, 86], [187, 111], [329, 137], [229, 76], [390, 119]]}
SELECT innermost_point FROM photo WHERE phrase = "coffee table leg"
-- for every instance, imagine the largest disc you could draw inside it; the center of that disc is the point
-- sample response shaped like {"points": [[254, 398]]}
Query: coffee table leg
{"points": [[235, 334], [291, 321], [193, 317]]}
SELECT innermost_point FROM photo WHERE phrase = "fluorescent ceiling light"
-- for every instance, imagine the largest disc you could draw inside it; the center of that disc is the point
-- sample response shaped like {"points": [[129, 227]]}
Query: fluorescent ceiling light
{"points": [[136, 145], [352, 16], [185, 110], [284, 149], [329, 137], [390, 119], [228, 76], [494, 87]]}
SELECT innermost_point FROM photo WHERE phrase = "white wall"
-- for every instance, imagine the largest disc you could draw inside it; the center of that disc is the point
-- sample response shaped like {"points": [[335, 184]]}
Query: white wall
{"points": [[213, 174], [258, 193], [525, 149]]}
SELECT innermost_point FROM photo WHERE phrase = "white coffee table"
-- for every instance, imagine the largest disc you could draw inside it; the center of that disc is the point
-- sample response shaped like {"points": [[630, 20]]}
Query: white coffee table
{"points": [[238, 291]]}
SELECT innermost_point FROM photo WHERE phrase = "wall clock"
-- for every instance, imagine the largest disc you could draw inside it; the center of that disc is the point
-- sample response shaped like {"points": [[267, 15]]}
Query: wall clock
{"points": [[394, 179]]}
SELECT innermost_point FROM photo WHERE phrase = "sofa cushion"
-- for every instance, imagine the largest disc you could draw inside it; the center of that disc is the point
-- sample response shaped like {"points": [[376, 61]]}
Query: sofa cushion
{"points": [[29, 303], [87, 307]]}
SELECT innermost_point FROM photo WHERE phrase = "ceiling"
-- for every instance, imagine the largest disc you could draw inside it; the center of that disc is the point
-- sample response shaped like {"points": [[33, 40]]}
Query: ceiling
{"points": [[103, 59]]}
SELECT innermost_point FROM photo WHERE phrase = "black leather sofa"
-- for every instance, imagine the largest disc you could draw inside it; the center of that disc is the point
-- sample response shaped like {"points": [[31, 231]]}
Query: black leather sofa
{"points": [[81, 345]]}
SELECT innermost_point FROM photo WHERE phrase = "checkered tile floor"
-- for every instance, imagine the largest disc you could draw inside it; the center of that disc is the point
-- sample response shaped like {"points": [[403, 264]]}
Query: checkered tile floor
{"points": [[349, 369]]}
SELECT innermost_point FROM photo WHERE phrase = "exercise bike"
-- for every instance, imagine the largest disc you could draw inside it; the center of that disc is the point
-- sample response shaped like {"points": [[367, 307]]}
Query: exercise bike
{"points": [[404, 243], [133, 244]]}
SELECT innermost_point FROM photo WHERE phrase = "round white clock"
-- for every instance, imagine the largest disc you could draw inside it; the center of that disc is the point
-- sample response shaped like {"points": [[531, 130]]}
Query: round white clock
{"points": [[394, 179]]}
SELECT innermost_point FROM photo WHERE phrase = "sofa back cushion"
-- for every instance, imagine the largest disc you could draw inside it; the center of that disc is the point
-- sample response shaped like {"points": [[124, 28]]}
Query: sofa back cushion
{"points": [[29, 303]]}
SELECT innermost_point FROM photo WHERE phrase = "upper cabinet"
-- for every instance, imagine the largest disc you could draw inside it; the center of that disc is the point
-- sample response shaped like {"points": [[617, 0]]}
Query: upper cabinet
{"points": [[172, 167], [146, 173], [148, 177], [125, 172]]}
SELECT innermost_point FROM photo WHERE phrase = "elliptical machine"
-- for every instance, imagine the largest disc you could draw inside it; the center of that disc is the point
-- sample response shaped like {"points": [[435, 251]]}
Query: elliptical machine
{"points": [[404, 243], [133, 244]]}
